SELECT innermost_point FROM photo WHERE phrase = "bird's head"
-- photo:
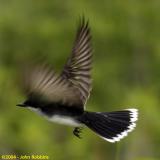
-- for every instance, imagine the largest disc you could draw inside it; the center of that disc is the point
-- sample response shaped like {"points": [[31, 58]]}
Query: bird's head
{"points": [[28, 103]]}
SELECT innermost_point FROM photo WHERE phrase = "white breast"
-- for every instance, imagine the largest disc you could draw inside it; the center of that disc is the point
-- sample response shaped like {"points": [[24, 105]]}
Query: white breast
{"points": [[58, 118], [64, 120]]}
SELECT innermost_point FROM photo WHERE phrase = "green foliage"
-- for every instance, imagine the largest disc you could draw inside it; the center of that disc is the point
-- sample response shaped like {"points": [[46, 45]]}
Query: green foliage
{"points": [[125, 71]]}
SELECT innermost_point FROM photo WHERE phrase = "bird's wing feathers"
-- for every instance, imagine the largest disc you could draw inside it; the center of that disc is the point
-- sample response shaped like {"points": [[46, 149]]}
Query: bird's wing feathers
{"points": [[73, 86], [78, 68], [41, 80]]}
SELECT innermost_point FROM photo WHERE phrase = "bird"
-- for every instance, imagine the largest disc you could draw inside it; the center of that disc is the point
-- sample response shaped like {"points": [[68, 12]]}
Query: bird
{"points": [[62, 97]]}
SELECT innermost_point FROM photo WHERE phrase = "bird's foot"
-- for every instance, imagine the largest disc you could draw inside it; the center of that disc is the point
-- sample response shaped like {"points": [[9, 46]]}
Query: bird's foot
{"points": [[77, 131]]}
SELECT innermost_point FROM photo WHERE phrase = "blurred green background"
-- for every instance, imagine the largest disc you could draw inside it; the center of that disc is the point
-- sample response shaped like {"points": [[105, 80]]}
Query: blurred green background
{"points": [[126, 42]]}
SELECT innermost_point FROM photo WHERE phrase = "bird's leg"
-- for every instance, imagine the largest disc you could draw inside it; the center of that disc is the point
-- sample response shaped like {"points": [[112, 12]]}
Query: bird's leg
{"points": [[77, 131]]}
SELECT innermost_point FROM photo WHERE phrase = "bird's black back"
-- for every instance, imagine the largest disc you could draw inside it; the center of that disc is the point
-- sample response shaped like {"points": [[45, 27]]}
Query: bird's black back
{"points": [[53, 108], [61, 109]]}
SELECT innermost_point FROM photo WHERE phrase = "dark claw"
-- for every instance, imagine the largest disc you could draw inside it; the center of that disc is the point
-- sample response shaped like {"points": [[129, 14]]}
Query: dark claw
{"points": [[77, 131]]}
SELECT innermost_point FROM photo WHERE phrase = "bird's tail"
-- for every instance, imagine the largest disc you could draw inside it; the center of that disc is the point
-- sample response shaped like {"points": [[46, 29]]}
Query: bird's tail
{"points": [[111, 126]]}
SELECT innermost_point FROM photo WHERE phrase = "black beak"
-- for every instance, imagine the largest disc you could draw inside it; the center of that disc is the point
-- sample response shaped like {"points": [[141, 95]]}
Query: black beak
{"points": [[21, 105]]}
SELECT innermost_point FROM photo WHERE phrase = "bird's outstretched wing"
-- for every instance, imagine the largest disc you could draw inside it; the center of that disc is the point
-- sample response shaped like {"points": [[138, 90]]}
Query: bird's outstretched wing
{"points": [[73, 86], [78, 68], [43, 82]]}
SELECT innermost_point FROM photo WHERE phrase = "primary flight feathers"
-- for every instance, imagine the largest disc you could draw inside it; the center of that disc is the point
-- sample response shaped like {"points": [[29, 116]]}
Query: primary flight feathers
{"points": [[78, 68], [73, 85]]}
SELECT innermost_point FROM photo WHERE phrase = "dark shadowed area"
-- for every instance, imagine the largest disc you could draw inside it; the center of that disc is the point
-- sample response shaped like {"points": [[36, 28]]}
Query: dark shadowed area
{"points": [[126, 64]]}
